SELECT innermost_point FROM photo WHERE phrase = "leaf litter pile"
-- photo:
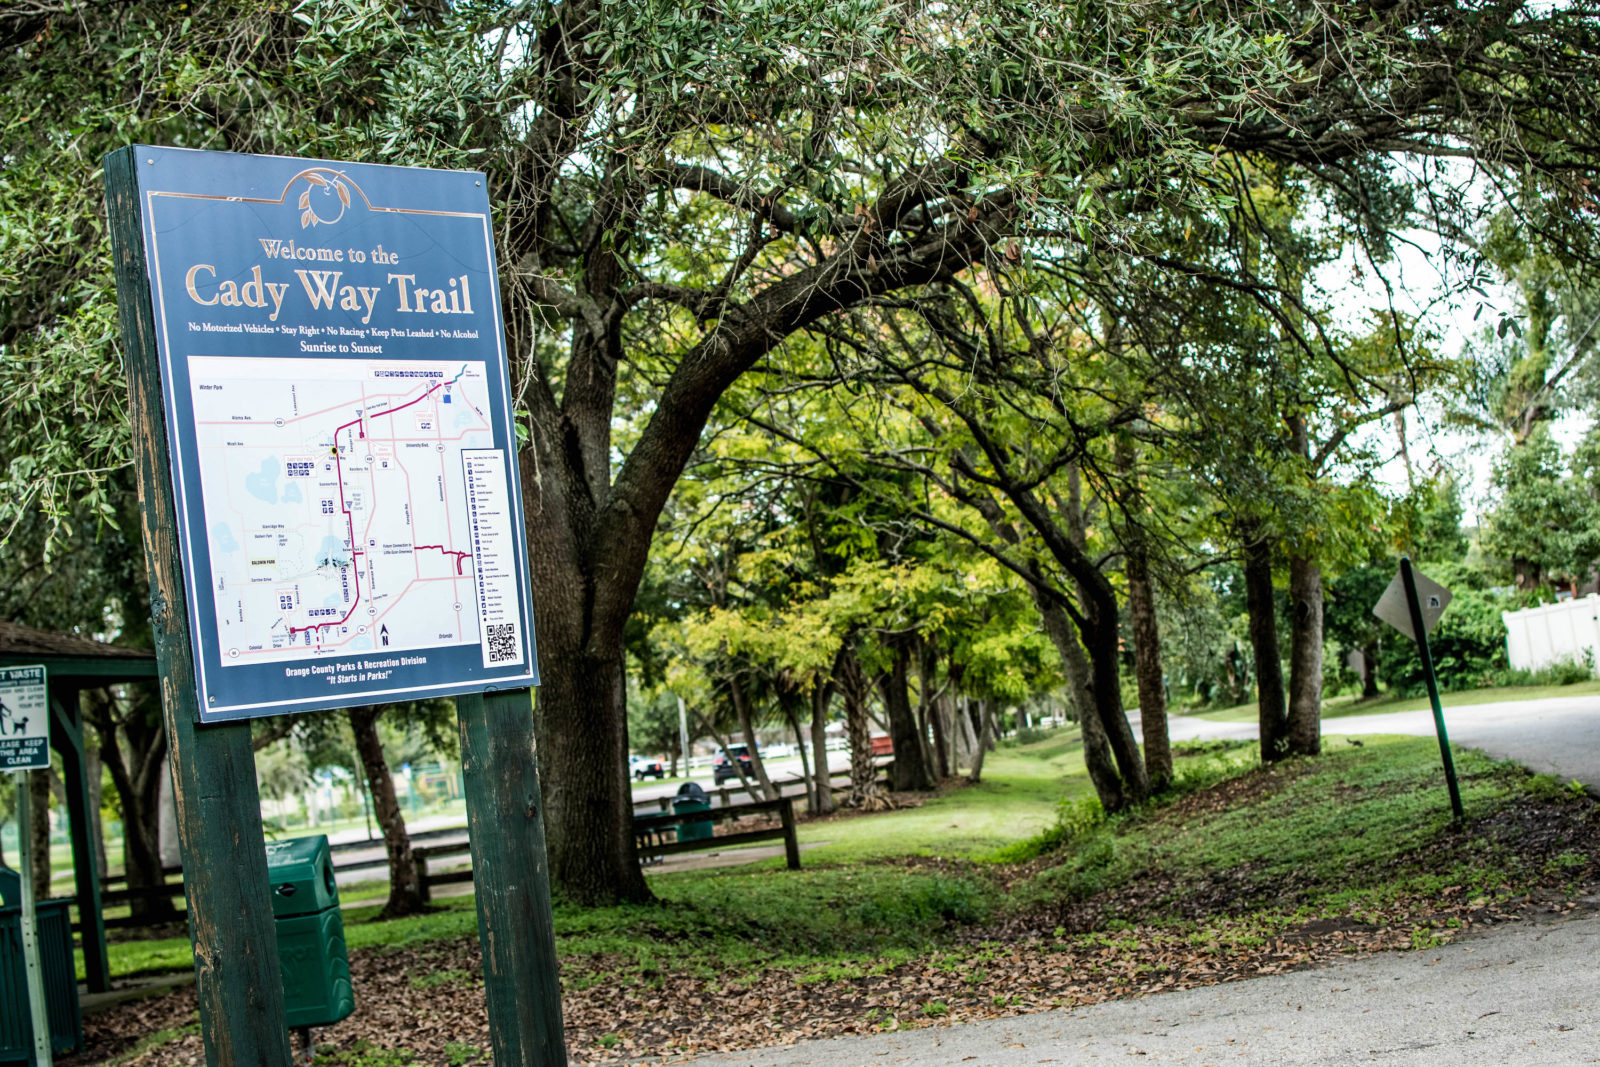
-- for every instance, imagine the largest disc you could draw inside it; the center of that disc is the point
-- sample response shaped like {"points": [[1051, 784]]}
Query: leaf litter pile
{"points": [[1161, 930]]}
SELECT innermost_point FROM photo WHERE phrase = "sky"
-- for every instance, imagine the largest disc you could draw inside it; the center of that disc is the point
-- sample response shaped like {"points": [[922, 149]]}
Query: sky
{"points": [[1426, 284]]}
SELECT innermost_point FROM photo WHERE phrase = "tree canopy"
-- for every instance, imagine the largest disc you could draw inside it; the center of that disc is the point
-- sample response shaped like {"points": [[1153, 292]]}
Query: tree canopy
{"points": [[1063, 245]]}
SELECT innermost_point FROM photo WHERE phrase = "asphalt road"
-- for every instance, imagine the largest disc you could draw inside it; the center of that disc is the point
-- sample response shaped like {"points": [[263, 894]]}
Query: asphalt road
{"points": [[1525, 993], [1559, 736]]}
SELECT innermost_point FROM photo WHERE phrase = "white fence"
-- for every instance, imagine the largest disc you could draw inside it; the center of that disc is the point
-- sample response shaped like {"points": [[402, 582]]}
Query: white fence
{"points": [[1550, 633]]}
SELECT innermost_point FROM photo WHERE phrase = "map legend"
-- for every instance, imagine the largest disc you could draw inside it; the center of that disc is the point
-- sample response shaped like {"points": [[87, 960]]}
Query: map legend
{"points": [[489, 511]]}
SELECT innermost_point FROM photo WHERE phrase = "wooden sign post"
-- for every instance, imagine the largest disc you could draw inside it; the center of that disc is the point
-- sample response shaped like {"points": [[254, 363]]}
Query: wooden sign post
{"points": [[214, 790], [323, 437]]}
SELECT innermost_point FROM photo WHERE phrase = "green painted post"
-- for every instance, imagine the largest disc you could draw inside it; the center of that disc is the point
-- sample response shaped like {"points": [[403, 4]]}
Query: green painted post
{"points": [[67, 733], [1420, 630], [505, 822], [240, 990]]}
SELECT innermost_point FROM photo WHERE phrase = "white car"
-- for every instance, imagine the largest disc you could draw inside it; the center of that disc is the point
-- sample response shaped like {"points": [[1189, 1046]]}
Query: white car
{"points": [[642, 768]]}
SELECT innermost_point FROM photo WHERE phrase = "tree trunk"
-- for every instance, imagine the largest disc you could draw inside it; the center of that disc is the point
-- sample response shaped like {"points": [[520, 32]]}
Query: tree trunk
{"points": [[747, 726], [1305, 629], [91, 770], [1405, 451], [1099, 632], [856, 690], [966, 738], [986, 716], [583, 590], [1147, 667], [1142, 613], [584, 771], [405, 884], [723, 747], [939, 720], [1369, 671], [1305, 657], [931, 703], [805, 762], [821, 697], [39, 830], [1273, 717], [910, 772], [1097, 757]]}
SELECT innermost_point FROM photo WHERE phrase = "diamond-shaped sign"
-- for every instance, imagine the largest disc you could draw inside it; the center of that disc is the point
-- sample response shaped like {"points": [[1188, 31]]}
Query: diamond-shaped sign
{"points": [[1392, 608]]}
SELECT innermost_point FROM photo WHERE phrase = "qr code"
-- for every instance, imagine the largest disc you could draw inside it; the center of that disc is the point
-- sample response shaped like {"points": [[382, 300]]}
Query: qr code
{"points": [[502, 641]]}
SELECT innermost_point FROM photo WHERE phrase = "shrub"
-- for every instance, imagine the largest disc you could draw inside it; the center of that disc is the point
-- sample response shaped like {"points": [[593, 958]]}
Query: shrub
{"points": [[924, 902], [1468, 648], [1568, 671]]}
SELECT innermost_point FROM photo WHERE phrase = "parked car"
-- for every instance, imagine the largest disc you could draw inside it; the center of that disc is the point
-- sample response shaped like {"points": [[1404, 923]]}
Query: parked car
{"points": [[722, 767], [642, 768]]}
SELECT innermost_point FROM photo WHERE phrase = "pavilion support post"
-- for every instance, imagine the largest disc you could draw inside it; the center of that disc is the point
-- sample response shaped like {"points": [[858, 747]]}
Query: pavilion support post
{"points": [[237, 979], [505, 822], [68, 738]]}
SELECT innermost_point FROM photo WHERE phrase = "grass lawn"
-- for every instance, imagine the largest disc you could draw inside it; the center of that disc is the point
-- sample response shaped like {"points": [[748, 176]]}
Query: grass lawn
{"points": [[1017, 799], [1339, 707]]}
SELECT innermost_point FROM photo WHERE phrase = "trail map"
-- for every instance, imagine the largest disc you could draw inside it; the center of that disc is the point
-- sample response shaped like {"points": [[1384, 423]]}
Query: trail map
{"points": [[341, 431], [353, 505]]}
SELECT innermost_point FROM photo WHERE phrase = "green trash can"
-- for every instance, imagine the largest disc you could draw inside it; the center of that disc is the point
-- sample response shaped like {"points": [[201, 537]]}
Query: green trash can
{"points": [[56, 967], [311, 950], [691, 799]]}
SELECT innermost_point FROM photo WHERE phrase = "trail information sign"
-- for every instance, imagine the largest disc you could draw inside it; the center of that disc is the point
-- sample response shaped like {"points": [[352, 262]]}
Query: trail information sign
{"points": [[24, 719], [342, 446]]}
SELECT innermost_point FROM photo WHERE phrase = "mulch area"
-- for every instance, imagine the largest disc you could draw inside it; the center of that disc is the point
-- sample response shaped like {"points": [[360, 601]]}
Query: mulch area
{"points": [[429, 1000]]}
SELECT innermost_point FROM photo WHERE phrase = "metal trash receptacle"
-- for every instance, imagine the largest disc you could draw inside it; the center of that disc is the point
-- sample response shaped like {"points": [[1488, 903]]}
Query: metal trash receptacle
{"points": [[311, 948], [55, 964], [691, 799]]}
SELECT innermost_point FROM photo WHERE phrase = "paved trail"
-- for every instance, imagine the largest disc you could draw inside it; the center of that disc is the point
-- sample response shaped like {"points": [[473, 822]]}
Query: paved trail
{"points": [[1525, 993]]}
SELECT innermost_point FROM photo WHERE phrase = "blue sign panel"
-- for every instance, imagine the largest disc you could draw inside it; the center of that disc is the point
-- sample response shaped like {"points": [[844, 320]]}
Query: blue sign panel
{"points": [[343, 452]]}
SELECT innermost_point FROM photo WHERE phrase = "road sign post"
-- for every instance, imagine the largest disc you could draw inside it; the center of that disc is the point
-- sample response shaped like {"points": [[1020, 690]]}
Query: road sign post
{"points": [[1415, 604], [1414, 612], [24, 747]]}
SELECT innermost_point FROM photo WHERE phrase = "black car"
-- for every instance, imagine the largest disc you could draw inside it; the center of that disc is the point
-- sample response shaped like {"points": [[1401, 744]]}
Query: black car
{"points": [[722, 768]]}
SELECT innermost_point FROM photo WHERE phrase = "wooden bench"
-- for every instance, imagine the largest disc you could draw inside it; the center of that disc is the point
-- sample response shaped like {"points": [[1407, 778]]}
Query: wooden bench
{"points": [[650, 839], [651, 843], [654, 827]]}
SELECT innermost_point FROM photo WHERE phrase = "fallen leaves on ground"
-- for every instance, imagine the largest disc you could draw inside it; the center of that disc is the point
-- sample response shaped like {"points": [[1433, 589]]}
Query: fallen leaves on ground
{"points": [[429, 1001]]}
